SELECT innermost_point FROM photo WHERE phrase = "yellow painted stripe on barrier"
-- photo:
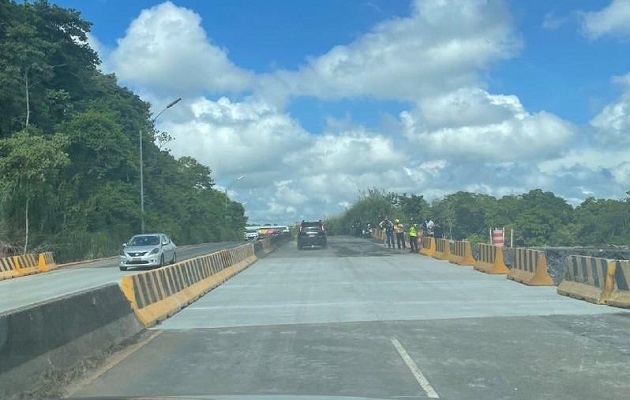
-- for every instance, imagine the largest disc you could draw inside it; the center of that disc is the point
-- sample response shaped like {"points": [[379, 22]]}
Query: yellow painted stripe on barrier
{"points": [[491, 260], [462, 254], [46, 262], [428, 246], [7, 268], [530, 268], [588, 278], [443, 249], [158, 294], [620, 294]]}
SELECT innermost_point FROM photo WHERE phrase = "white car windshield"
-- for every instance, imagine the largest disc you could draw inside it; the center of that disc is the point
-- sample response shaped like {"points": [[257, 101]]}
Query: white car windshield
{"points": [[144, 241]]}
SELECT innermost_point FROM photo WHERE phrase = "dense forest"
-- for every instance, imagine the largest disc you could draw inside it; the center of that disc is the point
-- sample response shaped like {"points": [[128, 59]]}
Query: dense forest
{"points": [[537, 218], [69, 149]]}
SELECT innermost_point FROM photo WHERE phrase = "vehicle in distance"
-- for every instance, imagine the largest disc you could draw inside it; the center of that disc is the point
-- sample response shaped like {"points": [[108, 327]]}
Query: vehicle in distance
{"points": [[312, 233], [251, 234], [148, 250]]}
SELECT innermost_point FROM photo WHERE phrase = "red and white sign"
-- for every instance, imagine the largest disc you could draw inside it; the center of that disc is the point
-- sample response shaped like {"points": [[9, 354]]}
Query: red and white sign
{"points": [[498, 237]]}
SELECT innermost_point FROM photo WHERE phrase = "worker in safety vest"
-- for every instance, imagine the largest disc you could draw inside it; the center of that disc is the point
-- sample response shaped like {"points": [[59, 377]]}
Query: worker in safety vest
{"points": [[399, 230], [413, 236]]}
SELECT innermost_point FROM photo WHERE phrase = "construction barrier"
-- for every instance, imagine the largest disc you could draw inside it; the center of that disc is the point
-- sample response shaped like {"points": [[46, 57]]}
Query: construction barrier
{"points": [[7, 268], [26, 264], [266, 245], [442, 249], [620, 294], [46, 262], [490, 260], [498, 236], [461, 253], [14, 266], [530, 268], [588, 278], [155, 295], [428, 246]]}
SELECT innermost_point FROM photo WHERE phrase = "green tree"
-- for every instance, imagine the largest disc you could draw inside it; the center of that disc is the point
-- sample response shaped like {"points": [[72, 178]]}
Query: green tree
{"points": [[30, 164]]}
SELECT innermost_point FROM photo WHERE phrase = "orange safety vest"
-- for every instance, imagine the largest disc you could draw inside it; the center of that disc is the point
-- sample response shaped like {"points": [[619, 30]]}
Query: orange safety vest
{"points": [[398, 228]]}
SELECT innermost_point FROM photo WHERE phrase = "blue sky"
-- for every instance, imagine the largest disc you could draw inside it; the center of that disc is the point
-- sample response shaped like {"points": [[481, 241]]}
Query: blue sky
{"points": [[424, 89]]}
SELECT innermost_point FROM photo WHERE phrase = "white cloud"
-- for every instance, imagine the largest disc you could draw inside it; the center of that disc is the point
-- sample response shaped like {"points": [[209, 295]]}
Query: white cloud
{"points": [[102, 51], [473, 125], [236, 137], [622, 172], [441, 46], [612, 124], [552, 21], [613, 20], [167, 48], [456, 135], [590, 171]]}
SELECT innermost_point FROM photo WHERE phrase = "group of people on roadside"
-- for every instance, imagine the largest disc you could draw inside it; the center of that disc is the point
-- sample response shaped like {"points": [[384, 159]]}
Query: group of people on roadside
{"points": [[414, 233]]}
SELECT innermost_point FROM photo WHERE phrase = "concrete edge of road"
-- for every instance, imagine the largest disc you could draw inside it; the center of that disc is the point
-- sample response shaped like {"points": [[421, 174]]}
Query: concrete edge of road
{"points": [[45, 345], [158, 294]]}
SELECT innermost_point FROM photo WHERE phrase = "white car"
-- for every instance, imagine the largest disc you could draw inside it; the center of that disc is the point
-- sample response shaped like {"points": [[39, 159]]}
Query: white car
{"points": [[251, 234], [148, 250]]}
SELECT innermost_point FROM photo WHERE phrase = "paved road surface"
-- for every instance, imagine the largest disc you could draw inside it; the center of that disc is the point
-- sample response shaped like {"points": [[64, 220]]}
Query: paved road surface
{"points": [[363, 321], [26, 290]]}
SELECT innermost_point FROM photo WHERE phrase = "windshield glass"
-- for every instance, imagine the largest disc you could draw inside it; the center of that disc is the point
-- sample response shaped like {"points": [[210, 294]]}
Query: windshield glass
{"points": [[151, 240]]}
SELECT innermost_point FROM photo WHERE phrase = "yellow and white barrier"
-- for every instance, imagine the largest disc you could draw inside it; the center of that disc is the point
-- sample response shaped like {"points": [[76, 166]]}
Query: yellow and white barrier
{"points": [[7, 268], [28, 264], [428, 246], [530, 268], [461, 253], [490, 260], [620, 293], [46, 262], [155, 295], [442, 249], [588, 278]]}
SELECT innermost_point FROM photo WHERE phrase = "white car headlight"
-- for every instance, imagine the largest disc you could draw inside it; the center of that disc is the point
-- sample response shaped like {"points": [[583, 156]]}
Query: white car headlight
{"points": [[155, 251]]}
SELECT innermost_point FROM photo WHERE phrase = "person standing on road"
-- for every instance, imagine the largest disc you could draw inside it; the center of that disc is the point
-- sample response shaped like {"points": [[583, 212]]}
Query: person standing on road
{"points": [[388, 227], [413, 236], [430, 227], [399, 230]]}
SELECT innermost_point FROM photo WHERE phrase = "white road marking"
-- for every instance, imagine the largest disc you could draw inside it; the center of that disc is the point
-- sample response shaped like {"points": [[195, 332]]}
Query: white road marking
{"points": [[422, 380]]}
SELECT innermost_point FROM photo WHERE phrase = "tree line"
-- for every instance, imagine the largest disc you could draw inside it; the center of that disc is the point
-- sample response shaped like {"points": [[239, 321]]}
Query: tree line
{"points": [[69, 149], [538, 218]]}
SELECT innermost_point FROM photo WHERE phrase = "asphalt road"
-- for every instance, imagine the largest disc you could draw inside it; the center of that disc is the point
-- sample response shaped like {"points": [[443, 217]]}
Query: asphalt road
{"points": [[361, 321], [26, 290]]}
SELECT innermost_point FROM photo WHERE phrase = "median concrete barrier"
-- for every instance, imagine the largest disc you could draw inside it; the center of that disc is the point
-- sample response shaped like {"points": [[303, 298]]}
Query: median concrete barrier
{"points": [[620, 295], [490, 260], [47, 262], [155, 295], [45, 344], [530, 268], [428, 246], [26, 264], [461, 253], [12, 267], [7, 268], [588, 278], [442, 249]]}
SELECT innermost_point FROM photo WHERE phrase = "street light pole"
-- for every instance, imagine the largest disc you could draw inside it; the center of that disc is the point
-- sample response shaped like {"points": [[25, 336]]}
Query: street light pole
{"points": [[228, 188], [171, 104]]}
